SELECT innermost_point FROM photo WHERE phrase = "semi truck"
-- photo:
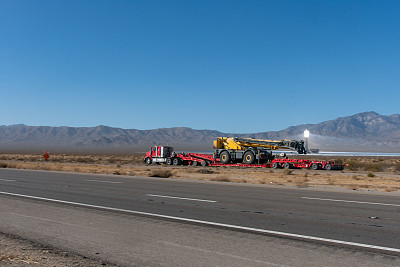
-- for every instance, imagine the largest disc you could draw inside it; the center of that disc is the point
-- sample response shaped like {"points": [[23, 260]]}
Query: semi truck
{"points": [[241, 152]]}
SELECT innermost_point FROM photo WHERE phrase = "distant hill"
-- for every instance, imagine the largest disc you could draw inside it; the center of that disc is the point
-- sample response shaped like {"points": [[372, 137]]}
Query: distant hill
{"points": [[368, 131]]}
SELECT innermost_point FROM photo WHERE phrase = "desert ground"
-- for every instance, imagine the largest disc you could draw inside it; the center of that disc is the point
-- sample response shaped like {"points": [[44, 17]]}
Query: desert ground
{"points": [[361, 173], [15, 251]]}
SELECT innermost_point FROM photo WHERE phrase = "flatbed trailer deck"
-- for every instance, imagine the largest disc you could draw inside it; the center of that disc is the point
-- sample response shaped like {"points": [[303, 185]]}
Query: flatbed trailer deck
{"points": [[164, 155], [268, 165]]}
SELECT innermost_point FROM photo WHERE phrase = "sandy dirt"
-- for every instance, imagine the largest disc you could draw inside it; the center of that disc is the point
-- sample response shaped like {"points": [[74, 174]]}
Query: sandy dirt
{"points": [[361, 174], [18, 252]]}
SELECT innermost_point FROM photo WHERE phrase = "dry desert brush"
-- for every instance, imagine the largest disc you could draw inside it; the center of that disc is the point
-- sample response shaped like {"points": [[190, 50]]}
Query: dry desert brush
{"points": [[161, 173]]}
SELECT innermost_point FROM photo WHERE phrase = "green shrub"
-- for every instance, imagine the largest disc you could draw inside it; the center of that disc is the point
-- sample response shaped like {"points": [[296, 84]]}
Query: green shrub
{"points": [[397, 167], [354, 165]]}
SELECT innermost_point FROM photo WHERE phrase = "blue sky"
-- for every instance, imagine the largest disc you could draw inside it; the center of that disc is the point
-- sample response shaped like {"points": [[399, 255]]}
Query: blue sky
{"points": [[233, 66]]}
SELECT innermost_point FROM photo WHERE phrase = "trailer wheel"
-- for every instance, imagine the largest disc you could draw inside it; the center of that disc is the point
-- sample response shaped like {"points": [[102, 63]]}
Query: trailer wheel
{"points": [[148, 161], [195, 163], [204, 163], [169, 161], [314, 166], [328, 167], [176, 161], [275, 165], [225, 157], [248, 157], [286, 165]]}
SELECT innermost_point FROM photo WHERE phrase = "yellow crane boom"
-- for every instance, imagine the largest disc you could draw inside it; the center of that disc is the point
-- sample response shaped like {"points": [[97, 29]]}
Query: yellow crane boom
{"points": [[237, 143]]}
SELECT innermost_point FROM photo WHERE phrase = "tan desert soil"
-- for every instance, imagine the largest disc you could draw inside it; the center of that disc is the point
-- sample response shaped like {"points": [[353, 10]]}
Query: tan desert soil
{"points": [[18, 252]]}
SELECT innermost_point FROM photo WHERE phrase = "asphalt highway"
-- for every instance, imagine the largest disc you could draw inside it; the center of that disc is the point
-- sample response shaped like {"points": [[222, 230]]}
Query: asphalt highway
{"points": [[363, 221]]}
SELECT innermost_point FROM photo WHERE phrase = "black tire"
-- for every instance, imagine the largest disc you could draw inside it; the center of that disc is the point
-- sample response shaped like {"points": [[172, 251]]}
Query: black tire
{"points": [[225, 157], [314, 166], [148, 161], [286, 165], [195, 163], [169, 161], [176, 161], [204, 163], [328, 167], [249, 158], [275, 165]]}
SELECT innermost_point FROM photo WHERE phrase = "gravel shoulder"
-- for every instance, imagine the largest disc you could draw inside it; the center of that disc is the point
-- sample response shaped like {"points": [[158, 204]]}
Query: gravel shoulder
{"points": [[15, 251]]}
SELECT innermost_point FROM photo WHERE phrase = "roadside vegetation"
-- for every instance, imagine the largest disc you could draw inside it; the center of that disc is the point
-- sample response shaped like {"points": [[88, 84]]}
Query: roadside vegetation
{"points": [[363, 173]]}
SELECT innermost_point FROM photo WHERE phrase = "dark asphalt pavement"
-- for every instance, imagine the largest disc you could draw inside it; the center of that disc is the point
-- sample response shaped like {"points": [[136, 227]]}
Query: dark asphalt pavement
{"points": [[366, 218]]}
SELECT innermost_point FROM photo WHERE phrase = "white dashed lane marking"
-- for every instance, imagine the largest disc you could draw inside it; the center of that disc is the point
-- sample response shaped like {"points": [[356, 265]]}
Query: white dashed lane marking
{"points": [[183, 198], [100, 181], [352, 201], [228, 226]]}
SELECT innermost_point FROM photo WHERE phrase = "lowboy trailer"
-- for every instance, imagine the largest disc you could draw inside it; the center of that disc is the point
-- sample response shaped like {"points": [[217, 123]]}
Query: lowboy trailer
{"points": [[166, 154]]}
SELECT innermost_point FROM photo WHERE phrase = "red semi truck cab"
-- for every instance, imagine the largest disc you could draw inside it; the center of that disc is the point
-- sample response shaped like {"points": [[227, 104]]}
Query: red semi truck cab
{"points": [[158, 154]]}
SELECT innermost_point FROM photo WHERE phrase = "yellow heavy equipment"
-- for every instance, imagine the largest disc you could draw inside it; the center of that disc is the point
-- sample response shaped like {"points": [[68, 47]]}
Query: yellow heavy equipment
{"points": [[250, 150]]}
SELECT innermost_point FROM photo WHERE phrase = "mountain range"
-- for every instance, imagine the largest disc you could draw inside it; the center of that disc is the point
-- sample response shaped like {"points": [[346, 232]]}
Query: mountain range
{"points": [[368, 131]]}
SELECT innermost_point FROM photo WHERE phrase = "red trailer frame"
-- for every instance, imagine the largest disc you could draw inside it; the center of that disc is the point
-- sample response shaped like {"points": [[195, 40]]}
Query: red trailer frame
{"points": [[189, 158]]}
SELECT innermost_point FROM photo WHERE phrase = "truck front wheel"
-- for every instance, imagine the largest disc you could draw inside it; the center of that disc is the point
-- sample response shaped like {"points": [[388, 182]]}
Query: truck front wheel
{"points": [[148, 161], [225, 157]]}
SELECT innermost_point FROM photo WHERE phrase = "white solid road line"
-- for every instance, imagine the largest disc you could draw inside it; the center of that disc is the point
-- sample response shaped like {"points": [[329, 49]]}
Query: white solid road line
{"points": [[100, 181], [229, 226], [6, 180], [60, 222], [184, 198], [221, 254], [351, 201]]}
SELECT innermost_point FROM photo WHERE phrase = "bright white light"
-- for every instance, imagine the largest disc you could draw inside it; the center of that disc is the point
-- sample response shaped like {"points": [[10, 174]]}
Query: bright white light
{"points": [[306, 133]]}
